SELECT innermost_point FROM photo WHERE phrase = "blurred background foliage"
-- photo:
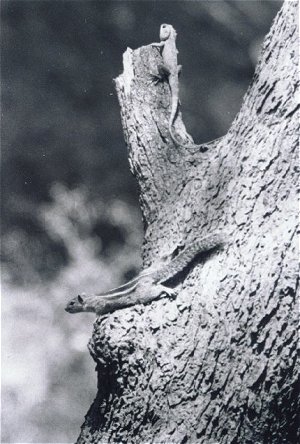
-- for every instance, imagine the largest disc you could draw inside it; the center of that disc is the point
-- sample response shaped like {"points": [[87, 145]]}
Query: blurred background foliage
{"points": [[70, 217]]}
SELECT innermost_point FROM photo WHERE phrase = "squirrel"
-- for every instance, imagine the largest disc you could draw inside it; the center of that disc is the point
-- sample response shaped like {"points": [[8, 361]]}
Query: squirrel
{"points": [[147, 286]]}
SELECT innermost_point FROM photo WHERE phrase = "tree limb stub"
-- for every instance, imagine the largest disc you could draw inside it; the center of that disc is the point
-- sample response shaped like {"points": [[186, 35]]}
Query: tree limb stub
{"points": [[218, 364]]}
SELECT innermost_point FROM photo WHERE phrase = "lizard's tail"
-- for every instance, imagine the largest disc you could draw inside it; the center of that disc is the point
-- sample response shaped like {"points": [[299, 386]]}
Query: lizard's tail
{"points": [[201, 245], [174, 110], [193, 146], [173, 137]]}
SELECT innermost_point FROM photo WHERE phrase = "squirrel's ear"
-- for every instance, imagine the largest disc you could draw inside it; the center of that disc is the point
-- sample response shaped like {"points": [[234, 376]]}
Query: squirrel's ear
{"points": [[80, 299]]}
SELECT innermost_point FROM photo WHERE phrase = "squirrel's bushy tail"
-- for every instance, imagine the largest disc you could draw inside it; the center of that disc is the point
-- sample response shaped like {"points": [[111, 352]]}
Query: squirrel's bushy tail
{"points": [[200, 245]]}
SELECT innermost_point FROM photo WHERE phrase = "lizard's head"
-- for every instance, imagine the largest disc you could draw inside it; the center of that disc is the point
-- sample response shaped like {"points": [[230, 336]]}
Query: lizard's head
{"points": [[166, 31], [76, 305]]}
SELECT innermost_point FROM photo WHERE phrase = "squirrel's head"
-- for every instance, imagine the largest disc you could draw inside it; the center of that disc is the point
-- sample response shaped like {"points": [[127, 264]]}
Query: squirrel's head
{"points": [[166, 31], [76, 305]]}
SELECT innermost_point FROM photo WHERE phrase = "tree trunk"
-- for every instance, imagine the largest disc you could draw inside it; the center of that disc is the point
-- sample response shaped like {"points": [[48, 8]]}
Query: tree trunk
{"points": [[217, 364]]}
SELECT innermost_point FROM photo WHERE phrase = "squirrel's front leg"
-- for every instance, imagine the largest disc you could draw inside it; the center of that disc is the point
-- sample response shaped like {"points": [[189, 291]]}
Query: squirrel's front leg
{"points": [[168, 291], [148, 293]]}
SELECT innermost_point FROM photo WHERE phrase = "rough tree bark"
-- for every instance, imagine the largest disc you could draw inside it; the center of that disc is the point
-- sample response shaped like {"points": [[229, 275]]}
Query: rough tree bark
{"points": [[217, 364]]}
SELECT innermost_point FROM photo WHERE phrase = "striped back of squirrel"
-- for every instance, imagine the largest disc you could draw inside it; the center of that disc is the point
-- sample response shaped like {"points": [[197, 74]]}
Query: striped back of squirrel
{"points": [[128, 287]]}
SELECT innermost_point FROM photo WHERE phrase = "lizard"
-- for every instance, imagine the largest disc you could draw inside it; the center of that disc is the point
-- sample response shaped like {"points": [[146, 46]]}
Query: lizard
{"points": [[148, 285], [171, 70]]}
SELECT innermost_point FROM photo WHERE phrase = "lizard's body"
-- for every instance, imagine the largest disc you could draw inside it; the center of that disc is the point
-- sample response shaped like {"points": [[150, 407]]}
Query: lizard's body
{"points": [[147, 286], [171, 70]]}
